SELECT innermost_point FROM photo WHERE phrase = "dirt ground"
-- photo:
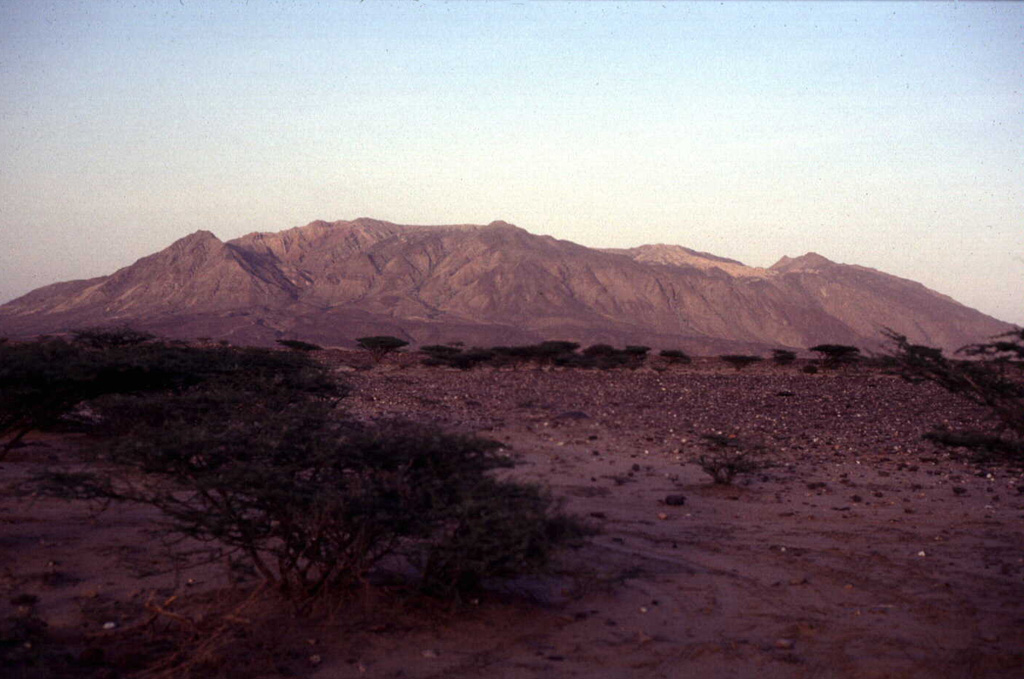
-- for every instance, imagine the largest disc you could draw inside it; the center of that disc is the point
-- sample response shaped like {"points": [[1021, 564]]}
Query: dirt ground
{"points": [[862, 551]]}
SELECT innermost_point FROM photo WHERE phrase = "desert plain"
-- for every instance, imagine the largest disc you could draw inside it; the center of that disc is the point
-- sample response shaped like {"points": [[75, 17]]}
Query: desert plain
{"points": [[858, 550]]}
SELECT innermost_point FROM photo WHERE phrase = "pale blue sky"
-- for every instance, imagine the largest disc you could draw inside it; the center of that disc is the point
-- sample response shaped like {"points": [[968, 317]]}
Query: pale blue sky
{"points": [[887, 135]]}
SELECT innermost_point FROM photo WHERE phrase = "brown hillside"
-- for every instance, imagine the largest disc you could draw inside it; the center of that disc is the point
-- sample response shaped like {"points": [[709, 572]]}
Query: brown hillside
{"points": [[494, 284]]}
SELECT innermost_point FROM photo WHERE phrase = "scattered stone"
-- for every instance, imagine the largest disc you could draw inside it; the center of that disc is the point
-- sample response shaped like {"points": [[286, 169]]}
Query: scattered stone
{"points": [[784, 644], [675, 500]]}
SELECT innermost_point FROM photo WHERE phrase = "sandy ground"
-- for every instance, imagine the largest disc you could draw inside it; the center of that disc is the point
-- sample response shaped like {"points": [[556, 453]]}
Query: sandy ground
{"points": [[863, 551]]}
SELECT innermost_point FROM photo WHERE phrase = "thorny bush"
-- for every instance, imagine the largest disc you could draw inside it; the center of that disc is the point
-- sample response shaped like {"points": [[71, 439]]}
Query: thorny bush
{"points": [[247, 448], [991, 377], [728, 457]]}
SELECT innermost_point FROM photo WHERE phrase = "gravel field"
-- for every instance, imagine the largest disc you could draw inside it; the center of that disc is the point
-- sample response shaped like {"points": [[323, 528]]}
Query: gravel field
{"points": [[859, 550]]}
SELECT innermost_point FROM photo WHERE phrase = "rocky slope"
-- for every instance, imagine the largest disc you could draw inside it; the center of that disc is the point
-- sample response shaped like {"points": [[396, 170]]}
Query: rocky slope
{"points": [[495, 284]]}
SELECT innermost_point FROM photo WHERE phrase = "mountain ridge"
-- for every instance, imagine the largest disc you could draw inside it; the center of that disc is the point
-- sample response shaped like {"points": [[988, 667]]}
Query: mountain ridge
{"points": [[331, 282]]}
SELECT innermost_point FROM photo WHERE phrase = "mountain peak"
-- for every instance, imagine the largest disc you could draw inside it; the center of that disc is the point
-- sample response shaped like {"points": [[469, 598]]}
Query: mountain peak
{"points": [[198, 241], [200, 236], [812, 261]]}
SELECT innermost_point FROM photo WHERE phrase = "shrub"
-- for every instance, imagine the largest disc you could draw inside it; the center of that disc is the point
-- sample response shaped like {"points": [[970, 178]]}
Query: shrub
{"points": [[675, 356], [440, 351], [548, 351], [728, 457], [992, 379], [783, 356], [545, 353], [40, 382], [472, 358], [313, 504], [739, 361], [244, 448], [810, 369], [513, 356], [299, 345], [600, 350], [454, 357], [836, 355], [110, 337], [606, 357], [497, 530], [380, 346]]}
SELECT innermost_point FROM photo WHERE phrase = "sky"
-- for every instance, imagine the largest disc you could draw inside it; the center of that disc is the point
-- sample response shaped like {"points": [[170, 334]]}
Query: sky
{"points": [[889, 135]]}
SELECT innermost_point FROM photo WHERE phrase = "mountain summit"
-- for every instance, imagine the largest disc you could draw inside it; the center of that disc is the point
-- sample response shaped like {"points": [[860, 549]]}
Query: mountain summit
{"points": [[331, 282]]}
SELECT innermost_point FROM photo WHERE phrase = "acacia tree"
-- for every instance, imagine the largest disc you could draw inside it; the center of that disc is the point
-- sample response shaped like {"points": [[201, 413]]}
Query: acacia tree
{"points": [[380, 346], [245, 448], [835, 355], [783, 356], [992, 379]]}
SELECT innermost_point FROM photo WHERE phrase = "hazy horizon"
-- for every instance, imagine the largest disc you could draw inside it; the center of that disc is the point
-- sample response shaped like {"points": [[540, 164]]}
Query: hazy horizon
{"points": [[885, 135]]}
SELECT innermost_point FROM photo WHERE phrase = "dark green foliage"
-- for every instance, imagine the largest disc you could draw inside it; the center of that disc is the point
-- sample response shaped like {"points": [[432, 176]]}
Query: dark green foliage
{"points": [[992, 378], [600, 350], [245, 448], [440, 351], [453, 357], [380, 346], [513, 356], [312, 504], [472, 358], [299, 345], [497, 530], [577, 361], [675, 356], [836, 355], [1009, 350], [810, 369], [637, 350], [40, 382], [548, 351], [729, 456], [783, 356], [606, 357], [555, 347], [111, 337], [740, 361]]}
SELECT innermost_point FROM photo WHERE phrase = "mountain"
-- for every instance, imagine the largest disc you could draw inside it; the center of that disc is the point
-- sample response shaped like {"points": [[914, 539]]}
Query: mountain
{"points": [[496, 284]]}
